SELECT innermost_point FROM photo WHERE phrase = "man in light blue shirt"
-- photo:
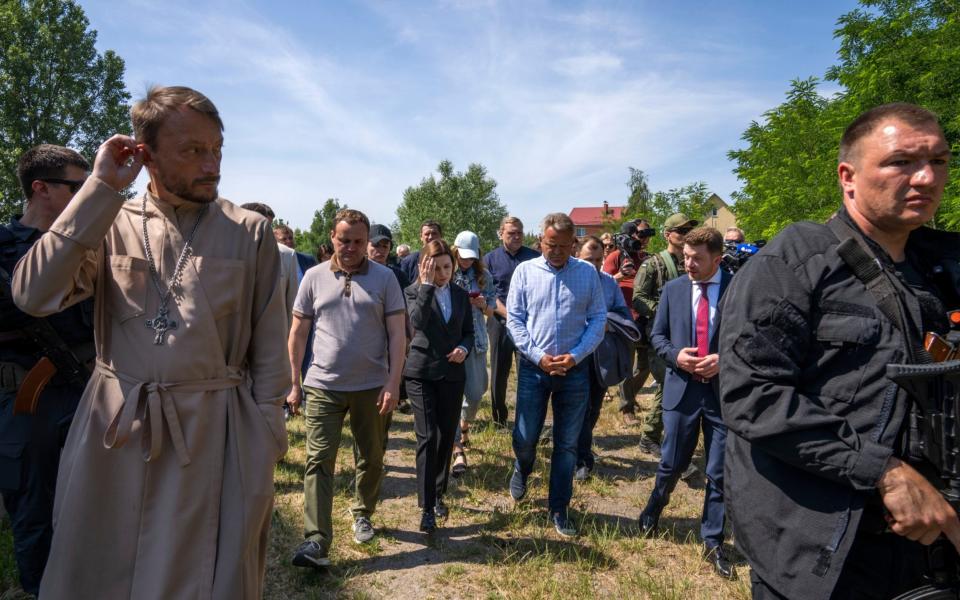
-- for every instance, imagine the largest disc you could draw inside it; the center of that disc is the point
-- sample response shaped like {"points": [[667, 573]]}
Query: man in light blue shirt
{"points": [[556, 315]]}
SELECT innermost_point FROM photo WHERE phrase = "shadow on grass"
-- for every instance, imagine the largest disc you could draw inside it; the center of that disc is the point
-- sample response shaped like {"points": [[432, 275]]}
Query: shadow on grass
{"points": [[482, 547]]}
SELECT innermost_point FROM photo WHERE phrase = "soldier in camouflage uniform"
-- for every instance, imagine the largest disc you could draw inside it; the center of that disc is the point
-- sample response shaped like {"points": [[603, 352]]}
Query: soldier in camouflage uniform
{"points": [[657, 270]]}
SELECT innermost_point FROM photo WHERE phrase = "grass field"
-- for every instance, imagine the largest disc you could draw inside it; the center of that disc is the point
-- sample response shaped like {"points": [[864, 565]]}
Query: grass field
{"points": [[490, 548]]}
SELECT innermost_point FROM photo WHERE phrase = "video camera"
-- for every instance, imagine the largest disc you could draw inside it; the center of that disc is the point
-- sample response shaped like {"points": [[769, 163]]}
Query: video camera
{"points": [[735, 254], [626, 242]]}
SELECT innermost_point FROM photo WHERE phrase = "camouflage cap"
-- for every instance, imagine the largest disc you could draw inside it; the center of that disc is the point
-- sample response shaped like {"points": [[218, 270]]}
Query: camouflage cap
{"points": [[677, 220]]}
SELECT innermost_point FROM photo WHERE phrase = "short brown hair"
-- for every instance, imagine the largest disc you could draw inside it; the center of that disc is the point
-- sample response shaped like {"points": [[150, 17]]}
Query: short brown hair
{"points": [[436, 248], [46, 161], [911, 114], [590, 240], [260, 208], [509, 220], [283, 229], [705, 236], [432, 224], [152, 110], [351, 217]]}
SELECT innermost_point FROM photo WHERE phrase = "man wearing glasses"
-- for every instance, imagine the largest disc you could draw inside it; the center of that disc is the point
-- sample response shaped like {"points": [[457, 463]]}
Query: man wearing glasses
{"points": [[648, 284], [30, 441]]}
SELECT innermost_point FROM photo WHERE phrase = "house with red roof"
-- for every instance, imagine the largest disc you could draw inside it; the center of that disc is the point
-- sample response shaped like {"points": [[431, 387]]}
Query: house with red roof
{"points": [[591, 220]]}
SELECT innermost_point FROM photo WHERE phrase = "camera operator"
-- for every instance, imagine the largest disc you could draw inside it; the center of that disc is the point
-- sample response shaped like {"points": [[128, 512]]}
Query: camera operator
{"points": [[622, 263], [734, 235], [818, 487]]}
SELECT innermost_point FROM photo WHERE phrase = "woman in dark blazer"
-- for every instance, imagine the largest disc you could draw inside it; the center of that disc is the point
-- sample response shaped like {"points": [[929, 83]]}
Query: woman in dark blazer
{"points": [[442, 334]]}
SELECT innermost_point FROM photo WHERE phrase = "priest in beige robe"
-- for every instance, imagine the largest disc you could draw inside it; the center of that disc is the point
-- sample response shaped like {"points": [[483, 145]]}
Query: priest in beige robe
{"points": [[165, 487]]}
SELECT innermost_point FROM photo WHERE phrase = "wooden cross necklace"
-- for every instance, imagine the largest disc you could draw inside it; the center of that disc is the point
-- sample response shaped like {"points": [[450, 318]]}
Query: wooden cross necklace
{"points": [[160, 324]]}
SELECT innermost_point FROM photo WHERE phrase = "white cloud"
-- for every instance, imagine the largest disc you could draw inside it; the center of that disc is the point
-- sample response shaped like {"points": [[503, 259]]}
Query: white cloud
{"points": [[588, 64], [556, 104]]}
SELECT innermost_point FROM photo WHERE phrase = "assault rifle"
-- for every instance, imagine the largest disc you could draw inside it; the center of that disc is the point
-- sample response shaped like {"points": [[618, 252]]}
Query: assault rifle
{"points": [[935, 389]]}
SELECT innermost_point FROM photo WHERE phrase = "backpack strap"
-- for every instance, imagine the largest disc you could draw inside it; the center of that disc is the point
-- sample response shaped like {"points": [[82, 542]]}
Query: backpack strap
{"points": [[669, 264]]}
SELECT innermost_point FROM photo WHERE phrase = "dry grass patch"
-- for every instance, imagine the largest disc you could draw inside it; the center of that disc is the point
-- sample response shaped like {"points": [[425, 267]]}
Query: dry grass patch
{"points": [[490, 548]]}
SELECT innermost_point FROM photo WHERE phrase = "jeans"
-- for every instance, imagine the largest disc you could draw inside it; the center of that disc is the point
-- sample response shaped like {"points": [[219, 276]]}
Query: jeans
{"points": [[569, 396]]}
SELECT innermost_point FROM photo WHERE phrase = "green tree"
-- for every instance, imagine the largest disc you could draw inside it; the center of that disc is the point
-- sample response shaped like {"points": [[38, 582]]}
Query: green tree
{"points": [[890, 51], [309, 241], [692, 200], [639, 201], [54, 86], [789, 165], [458, 201]]}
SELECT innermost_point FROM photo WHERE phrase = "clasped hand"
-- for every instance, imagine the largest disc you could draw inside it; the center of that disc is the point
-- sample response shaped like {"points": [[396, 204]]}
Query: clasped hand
{"points": [[706, 367], [557, 365]]}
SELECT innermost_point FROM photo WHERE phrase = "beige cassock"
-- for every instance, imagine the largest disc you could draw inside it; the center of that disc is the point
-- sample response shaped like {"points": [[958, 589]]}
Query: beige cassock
{"points": [[165, 487]]}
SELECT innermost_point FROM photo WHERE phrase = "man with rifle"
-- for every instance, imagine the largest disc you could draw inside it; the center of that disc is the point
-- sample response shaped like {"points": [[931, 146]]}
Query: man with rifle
{"points": [[823, 484], [43, 366]]}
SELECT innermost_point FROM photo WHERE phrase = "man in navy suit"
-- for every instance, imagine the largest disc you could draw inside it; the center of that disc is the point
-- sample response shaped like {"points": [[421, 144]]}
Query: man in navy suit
{"points": [[684, 336]]}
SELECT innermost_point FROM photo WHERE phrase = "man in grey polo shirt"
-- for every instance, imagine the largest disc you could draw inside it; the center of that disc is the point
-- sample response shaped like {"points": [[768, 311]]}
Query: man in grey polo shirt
{"points": [[356, 311]]}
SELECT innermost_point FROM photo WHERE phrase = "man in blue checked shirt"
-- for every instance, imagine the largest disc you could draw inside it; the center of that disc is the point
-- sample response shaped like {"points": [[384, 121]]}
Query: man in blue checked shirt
{"points": [[556, 316]]}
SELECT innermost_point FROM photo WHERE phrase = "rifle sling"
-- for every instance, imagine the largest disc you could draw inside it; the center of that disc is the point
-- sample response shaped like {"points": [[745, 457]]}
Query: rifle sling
{"points": [[866, 267]]}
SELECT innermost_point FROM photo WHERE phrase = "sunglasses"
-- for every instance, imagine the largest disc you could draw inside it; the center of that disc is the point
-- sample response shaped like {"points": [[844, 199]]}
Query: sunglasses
{"points": [[73, 184], [609, 246], [682, 230]]}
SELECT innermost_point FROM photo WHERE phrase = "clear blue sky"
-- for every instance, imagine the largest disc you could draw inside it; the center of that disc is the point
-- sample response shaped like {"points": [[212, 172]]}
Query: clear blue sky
{"points": [[359, 100]]}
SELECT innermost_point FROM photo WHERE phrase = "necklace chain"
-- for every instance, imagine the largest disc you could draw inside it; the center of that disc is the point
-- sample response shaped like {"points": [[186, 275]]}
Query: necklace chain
{"points": [[187, 251]]}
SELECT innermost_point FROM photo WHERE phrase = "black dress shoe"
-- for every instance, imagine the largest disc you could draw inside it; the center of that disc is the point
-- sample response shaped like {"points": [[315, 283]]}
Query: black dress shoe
{"points": [[649, 524], [428, 522], [719, 561]]}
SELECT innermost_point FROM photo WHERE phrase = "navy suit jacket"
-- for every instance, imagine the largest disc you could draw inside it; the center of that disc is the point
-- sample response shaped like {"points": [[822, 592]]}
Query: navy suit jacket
{"points": [[305, 261], [673, 330]]}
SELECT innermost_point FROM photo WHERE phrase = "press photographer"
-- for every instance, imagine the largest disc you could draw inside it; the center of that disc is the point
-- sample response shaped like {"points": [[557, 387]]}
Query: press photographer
{"points": [[622, 264], [820, 484]]}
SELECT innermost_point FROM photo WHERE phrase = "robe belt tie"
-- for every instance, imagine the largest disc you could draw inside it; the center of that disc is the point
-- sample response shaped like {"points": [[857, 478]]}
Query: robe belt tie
{"points": [[158, 407]]}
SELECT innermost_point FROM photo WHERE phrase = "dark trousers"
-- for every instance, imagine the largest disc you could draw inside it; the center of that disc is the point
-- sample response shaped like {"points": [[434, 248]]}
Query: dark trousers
{"points": [[879, 566], [436, 414], [681, 427], [590, 418], [502, 353], [29, 457]]}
